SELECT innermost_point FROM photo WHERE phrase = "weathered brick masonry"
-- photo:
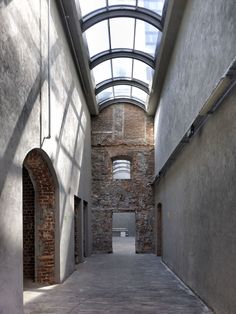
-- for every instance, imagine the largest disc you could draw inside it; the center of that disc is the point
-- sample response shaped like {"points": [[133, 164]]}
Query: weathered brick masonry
{"points": [[122, 131], [28, 226]]}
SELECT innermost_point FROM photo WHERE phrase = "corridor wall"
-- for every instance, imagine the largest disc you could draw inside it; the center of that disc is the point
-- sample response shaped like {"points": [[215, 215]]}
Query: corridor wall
{"points": [[41, 106], [197, 192]]}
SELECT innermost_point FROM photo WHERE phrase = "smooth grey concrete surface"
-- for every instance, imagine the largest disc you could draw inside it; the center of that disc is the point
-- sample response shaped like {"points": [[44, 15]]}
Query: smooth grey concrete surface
{"points": [[24, 124], [118, 283], [198, 191], [198, 209], [204, 49]]}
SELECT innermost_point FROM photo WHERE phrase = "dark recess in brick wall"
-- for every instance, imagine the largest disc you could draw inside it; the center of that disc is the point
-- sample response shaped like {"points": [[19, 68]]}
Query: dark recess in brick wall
{"points": [[28, 227]]}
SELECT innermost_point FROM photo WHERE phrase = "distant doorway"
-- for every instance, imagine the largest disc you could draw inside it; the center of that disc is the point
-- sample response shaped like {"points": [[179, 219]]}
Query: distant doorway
{"points": [[77, 230], [123, 232], [81, 230], [159, 230], [85, 229]]}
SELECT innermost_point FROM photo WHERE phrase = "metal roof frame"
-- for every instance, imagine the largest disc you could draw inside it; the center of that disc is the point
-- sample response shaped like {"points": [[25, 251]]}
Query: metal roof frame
{"points": [[122, 53], [74, 25], [121, 81], [109, 12], [130, 101]]}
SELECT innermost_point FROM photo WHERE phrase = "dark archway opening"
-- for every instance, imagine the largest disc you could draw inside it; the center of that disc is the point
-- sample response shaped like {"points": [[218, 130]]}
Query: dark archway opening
{"points": [[39, 221], [159, 230], [28, 227]]}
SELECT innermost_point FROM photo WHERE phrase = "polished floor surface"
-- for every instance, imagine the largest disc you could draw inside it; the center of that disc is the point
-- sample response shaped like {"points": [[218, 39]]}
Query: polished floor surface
{"points": [[122, 282]]}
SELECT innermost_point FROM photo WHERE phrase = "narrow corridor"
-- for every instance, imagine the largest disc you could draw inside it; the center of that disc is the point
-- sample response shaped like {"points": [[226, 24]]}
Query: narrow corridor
{"points": [[123, 282]]}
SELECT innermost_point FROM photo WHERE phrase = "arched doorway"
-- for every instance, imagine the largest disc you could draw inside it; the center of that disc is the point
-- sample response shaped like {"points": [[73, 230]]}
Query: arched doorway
{"points": [[40, 186]]}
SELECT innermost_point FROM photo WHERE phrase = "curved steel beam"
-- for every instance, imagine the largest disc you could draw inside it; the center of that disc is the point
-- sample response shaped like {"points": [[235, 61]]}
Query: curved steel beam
{"points": [[130, 101], [121, 81], [121, 11], [121, 53]]}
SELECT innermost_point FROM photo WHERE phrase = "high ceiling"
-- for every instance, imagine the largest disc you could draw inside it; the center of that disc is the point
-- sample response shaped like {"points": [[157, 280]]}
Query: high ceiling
{"points": [[121, 48], [122, 37]]}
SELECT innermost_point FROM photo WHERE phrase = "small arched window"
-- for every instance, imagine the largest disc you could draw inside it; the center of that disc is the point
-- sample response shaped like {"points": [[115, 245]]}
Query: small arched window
{"points": [[121, 169]]}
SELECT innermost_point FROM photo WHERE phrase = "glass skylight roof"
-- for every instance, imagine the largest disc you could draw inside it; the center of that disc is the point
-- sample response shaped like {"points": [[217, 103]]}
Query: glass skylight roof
{"points": [[99, 30], [122, 67], [122, 2], [88, 6], [102, 71], [121, 36], [122, 32], [146, 37]]}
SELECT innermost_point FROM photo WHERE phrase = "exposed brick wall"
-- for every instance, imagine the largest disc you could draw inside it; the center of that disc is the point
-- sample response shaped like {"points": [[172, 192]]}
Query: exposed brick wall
{"points": [[102, 230], [122, 130], [45, 216], [28, 227]]}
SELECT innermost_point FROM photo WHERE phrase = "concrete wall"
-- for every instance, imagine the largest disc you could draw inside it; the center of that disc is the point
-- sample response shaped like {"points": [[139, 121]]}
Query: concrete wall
{"points": [[24, 125], [198, 191], [201, 56], [122, 131]]}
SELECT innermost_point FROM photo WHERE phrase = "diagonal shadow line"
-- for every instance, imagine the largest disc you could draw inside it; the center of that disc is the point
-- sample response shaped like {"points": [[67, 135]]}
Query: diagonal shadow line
{"points": [[72, 168], [10, 151], [6, 2], [68, 101], [73, 104], [69, 156], [27, 35]]}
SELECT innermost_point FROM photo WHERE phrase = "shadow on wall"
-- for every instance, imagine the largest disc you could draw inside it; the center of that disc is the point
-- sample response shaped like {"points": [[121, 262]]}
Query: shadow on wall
{"points": [[15, 100], [75, 161], [72, 157], [6, 2]]}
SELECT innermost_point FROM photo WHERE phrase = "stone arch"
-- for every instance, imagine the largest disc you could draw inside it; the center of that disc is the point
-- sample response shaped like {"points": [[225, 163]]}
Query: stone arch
{"points": [[43, 210]]}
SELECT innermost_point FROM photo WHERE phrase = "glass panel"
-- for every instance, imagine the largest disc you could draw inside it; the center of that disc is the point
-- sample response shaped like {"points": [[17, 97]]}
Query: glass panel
{"points": [[122, 2], [102, 72], [122, 67], [139, 94], [88, 6], [153, 5], [142, 71], [146, 37], [105, 94], [99, 30], [122, 32], [122, 90], [121, 169]]}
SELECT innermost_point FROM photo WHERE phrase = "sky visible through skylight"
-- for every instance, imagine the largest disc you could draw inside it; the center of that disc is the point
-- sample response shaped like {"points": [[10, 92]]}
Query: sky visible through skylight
{"points": [[122, 33]]}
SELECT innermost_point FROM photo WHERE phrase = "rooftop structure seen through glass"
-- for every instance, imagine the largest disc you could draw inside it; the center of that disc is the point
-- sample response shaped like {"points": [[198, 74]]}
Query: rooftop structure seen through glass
{"points": [[123, 37]]}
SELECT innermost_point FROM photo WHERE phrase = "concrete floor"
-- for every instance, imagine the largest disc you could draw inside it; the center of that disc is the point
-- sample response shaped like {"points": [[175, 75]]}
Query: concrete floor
{"points": [[123, 282]]}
